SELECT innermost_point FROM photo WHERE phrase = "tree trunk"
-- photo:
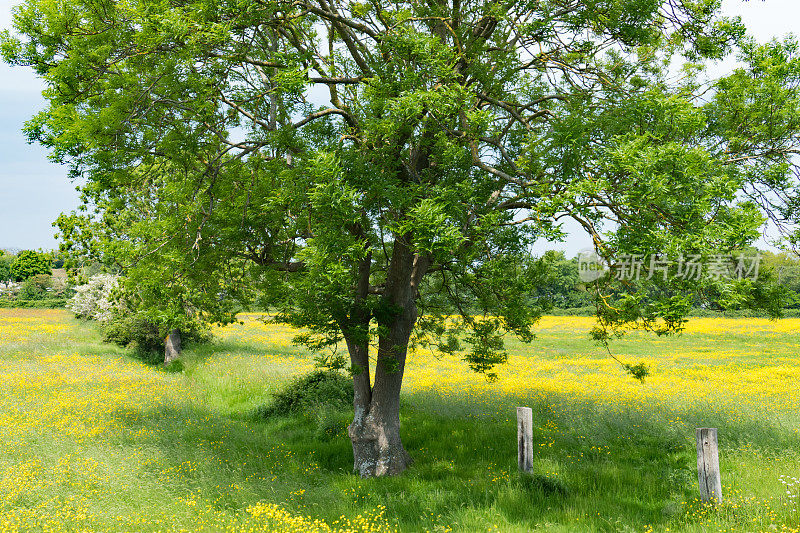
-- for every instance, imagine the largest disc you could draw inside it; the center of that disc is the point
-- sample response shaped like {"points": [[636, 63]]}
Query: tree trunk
{"points": [[172, 346], [375, 431], [377, 448]]}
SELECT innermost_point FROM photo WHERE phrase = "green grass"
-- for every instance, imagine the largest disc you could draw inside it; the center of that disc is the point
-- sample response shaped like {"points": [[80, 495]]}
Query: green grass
{"points": [[110, 444], [44, 303]]}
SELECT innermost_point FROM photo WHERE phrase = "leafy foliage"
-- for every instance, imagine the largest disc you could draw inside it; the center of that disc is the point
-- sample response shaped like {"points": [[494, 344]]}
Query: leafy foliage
{"points": [[442, 141], [36, 287], [146, 337], [125, 324], [6, 261], [29, 263]]}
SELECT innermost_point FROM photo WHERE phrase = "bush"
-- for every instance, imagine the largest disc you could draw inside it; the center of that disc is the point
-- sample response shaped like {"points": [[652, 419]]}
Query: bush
{"points": [[36, 287], [9, 289], [145, 337], [573, 311], [103, 299], [322, 389], [93, 300], [29, 263], [46, 303], [740, 313], [695, 312]]}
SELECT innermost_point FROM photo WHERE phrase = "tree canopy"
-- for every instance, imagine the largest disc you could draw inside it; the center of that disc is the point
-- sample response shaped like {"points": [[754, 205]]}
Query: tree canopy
{"points": [[29, 263], [377, 171]]}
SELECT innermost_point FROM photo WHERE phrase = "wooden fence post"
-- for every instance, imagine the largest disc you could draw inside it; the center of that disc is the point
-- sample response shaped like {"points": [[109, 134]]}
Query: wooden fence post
{"points": [[708, 475], [525, 438]]}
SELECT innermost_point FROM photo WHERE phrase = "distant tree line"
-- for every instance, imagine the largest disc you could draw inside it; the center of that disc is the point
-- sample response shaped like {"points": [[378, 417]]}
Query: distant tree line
{"points": [[563, 289], [26, 279]]}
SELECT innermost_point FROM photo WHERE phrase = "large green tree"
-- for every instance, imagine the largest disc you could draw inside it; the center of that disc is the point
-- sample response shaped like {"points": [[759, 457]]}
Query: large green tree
{"points": [[370, 167], [29, 263]]}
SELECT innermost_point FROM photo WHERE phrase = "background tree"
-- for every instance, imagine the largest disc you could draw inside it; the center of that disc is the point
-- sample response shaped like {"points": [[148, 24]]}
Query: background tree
{"points": [[785, 268], [369, 167], [159, 292], [6, 260], [563, 287], [36, 287], [29, 263]]}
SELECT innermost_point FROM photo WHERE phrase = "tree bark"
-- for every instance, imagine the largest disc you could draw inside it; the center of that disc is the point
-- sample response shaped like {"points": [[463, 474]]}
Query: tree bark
{"points": [[377, 448], [172, 346]]}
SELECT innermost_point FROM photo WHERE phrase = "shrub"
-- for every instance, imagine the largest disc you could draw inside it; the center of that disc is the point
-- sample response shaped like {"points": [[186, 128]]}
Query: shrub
{"points": [[127, 321], [36, 287], [319, 389], [96, 300], [60, 288], [93, 300], [46, 303], [29, 263], [129, 330], [126, 328], [9, 289]]}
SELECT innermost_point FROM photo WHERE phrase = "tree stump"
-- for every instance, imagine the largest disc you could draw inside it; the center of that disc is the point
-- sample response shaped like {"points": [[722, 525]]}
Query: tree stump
{"points": [[172, 346]]}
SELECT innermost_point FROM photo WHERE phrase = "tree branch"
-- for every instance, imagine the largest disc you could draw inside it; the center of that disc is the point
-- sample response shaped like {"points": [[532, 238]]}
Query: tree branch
{"points": [[319, 114]]}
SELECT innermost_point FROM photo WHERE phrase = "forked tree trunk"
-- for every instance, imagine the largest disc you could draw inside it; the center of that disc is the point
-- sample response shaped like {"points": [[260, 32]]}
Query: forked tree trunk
{"points": [[172, 346], [375, 431]]}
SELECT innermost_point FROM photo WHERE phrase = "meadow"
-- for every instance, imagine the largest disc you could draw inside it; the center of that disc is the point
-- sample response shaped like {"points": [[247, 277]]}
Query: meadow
{"points": [[93, 440]]}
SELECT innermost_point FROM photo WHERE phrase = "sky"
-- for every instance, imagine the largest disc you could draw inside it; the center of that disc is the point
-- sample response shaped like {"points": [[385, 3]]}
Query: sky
{"points": [[34, 191]]}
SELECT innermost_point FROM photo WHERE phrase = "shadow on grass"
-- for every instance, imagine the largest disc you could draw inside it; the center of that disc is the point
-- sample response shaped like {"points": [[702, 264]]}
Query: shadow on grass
{"points": [[204, 351], [632, 466], [602, 470]]}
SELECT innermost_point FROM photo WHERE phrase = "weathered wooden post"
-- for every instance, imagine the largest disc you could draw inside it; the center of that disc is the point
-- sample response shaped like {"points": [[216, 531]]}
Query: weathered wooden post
{"points": [[525, 438], [708, 465]]}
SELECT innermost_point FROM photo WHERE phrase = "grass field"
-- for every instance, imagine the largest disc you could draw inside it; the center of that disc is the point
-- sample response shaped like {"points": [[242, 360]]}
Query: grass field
{"points": [[92, 440]]}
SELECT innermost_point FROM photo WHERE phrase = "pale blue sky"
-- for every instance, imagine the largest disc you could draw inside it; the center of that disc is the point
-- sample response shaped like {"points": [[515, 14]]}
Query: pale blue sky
{"points": [[34, 191]]}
